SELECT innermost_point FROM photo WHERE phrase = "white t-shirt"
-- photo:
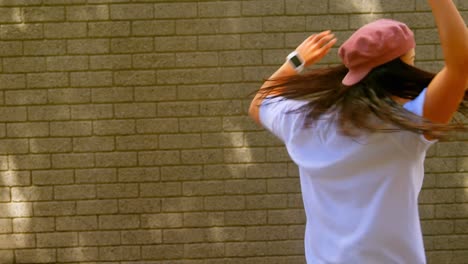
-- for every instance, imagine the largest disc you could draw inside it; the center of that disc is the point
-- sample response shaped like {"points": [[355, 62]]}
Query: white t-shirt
{"points": [[360, 195]]}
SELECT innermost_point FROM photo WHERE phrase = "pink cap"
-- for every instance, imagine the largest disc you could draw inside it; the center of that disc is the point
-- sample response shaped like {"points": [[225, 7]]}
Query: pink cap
{"points": [[372, 45]]}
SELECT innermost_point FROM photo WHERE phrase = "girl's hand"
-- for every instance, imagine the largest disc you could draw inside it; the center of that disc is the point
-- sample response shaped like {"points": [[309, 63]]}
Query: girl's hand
{"points": [[315, 47]]}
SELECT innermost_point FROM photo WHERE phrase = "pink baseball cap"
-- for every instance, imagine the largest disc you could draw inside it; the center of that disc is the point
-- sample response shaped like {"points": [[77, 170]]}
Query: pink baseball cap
{"points": [[372, 45]]}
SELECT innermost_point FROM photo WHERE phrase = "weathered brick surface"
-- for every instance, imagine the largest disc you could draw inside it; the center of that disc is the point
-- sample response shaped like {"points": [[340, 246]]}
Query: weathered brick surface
{"points": [[124, 135]]}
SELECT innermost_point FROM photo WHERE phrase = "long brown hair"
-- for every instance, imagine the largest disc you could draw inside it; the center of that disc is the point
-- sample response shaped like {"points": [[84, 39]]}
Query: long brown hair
{"points": [[354, 106]]}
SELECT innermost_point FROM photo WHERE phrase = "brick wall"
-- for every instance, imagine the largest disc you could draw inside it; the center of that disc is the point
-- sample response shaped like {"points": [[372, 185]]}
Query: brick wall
{"points": [[124, 136]]}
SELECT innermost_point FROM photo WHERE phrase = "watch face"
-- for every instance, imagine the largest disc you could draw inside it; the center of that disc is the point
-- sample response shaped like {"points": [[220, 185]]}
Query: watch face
{"points": [[296, 61]]}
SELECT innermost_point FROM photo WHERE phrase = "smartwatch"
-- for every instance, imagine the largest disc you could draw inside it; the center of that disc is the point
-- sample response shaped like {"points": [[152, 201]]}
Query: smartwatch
{"points": [[296, 61]]}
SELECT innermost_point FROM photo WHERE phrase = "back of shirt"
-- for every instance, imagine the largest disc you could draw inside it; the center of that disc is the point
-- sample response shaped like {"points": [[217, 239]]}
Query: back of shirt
{"points": [[360, 194]]}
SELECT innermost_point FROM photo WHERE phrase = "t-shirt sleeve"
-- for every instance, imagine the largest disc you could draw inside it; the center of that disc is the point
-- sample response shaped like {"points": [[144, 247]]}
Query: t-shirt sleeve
{"points": [[416, 106], [278, 116]]}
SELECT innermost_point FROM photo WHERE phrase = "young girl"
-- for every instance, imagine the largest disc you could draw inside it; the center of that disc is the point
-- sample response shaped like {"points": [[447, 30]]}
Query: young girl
{"points": [[359, 133]]}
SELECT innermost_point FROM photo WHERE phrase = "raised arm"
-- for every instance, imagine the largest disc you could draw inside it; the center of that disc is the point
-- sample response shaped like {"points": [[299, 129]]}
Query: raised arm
{"points": [[312, 50], [447, 89]]}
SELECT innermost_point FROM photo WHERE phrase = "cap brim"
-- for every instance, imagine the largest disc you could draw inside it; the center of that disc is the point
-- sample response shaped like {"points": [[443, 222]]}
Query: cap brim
{"points": [[355, 76]]}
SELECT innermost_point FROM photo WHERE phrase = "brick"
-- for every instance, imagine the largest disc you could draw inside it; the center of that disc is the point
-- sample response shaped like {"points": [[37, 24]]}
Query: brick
{"points": [[114, 94], [52, 177], [44, 47], [263, 41], [246, 218], [55, 240], [200, 124], [50, 145], [10, 15], [175, 43], [65, 30], [25, 97], [181, 173], [216, 108], [272, 170], [35, 224], [131, 45], [76, 223], [90, 79], [204, 219], [33, 193], [114, 127], [233, 58], [17, 241], [6, 256], [110, 62], [267, 201], [242, 155], [93, 144], [217, 203], [30, 161], [224, 42], [200, 75], [4, 164], [71, 128], [128, 78], [131, 11], [222, 140], [158, 125], [142, 237], [152, 60], [6, 226], [118, 221], [23, 31], [263, 8], [155, 93], [77, 254], [35, 255], [36, 129], [43, 14], [88, 46], [335, 22], [282, 24], [51, 112], [295, 247], [163, 252], [93, 207], [15, 178], [204, 250], [183, 236], [197, 27], [207, 156], [245, 186], [67, 63], [135, 110], [12, 81], [109, 29], [69, 96], [244, 249], [136, 206], [266, 233], [99, 238], [196, 59], [283, 186], [24, 64], [219, 9], [16, 209], [161, 189], [119, 253], [185, 141], [289, 216], [91, 111], [47, 80], [4, 197], [182, 204], [167, 109], [175, 10], [72, 160], [153, 28], [163, 157], [74, 192], [95, 175], [14, 146], [138, 174], [203, 188], [241, 25], [54, 208], [225, 171], [87, 13], [166, 220], [116, 159], [123, 190], [138, 142]]}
